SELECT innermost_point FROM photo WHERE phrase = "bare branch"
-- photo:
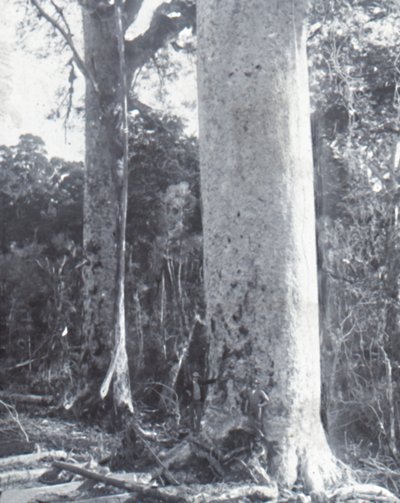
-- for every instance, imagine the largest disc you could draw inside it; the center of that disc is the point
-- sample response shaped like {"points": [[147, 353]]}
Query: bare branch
{"points": [[162, 29], [66, 34], [60, 12]]}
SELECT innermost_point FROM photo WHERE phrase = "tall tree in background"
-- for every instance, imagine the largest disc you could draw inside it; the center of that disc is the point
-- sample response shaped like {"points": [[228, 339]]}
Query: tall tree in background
{"points": [[259, 227], [109, 66]]}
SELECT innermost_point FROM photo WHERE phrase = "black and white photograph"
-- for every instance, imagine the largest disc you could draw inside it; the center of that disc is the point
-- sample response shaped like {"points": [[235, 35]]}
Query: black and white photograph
{"points": [[200, 251]]}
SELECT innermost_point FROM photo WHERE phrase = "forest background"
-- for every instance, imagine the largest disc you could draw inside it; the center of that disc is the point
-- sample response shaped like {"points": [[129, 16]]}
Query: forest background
{"points": [[354, 73]]}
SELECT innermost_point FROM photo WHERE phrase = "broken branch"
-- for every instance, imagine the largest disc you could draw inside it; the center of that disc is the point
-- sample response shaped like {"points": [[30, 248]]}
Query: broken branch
{"points": [[167, 474], [130, 487]]}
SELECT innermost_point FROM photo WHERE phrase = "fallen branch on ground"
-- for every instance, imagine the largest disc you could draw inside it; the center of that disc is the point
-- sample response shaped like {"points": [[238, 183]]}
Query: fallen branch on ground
{"points": [[14, 415], [127, 486], [363, 492], [26, 459], [220, 493], [39, 493], [194, 493], [114, 498], [20, 397], [164, 469], [19, 476]]}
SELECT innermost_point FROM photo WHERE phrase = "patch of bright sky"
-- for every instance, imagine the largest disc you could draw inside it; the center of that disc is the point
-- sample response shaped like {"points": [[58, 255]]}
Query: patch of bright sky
{"points": [[35, 82], [143, 19]]}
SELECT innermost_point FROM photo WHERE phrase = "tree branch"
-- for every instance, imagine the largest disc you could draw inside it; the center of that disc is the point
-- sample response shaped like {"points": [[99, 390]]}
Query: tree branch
{"points": [[140, 489], [131, 10], [162, 29], [67, 35], [60, 12]]}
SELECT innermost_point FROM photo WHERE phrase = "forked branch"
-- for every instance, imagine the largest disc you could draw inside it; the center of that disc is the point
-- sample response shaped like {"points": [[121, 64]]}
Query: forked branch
{"points": [[163, 28]]}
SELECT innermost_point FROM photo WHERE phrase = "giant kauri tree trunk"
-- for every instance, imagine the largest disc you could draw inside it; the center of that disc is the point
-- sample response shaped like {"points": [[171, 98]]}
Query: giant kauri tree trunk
{"points": [[259, 228]]}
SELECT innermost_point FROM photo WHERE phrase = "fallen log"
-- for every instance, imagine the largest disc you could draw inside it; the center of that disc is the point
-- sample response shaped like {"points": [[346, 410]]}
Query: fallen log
{"points": [[140, 490], [13, 477], [21, 397], [134, 477], [363, 492], [194, 493], [241, 493], [114, 498], [37, 493], [27, 459]]}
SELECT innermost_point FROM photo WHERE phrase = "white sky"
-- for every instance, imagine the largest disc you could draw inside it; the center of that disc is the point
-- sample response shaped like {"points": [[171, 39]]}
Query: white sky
{"points": [[34, 82]]}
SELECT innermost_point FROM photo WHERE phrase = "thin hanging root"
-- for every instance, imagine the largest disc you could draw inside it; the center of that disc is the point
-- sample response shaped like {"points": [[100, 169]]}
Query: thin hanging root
{"points": [[14, 415]]}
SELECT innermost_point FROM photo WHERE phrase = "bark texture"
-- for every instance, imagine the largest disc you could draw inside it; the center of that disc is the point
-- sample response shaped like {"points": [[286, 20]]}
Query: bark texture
{"points": [[110, 63], [105, 209], [259, 226]]}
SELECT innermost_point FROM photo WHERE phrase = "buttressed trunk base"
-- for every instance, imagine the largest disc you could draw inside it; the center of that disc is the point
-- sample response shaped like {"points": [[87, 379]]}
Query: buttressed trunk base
{"points": [[259, 228]]}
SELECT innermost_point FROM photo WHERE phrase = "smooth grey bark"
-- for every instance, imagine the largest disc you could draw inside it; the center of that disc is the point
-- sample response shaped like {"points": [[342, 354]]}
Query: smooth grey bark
{"points": [[259, 226]]}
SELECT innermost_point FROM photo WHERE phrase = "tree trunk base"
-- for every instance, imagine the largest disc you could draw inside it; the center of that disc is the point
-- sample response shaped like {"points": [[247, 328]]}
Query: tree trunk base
{"points": [[238, 451], [310, 463], [319, 470], [307, 460]]}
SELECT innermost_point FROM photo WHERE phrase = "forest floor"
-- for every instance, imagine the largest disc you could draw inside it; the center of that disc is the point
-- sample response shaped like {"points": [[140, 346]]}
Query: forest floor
{"points": [[32, 442], [29, 445]]}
